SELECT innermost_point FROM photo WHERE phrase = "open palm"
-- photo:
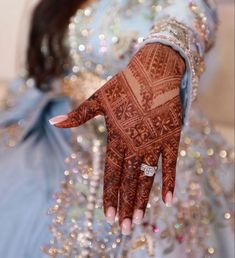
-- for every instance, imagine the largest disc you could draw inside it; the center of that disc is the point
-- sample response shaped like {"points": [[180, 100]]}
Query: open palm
{"points": [[142, 109]]}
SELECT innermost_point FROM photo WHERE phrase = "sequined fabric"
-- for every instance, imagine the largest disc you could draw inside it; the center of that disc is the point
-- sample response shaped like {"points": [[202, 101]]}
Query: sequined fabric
{"points": [[102, 39]]}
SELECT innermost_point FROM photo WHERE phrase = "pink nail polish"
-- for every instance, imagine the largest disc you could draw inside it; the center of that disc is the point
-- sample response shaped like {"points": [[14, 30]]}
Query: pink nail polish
{"points": [[138, 216], [168, 199], [110, 215], [126, 227], [58, 119]]}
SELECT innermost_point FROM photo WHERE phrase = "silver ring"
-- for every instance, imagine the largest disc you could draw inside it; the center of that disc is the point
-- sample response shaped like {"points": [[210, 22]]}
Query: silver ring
{"points": [[148, 170]]}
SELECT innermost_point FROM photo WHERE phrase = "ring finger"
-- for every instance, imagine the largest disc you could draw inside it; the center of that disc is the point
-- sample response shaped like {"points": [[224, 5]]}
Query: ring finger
{"points": [[145, 183]]}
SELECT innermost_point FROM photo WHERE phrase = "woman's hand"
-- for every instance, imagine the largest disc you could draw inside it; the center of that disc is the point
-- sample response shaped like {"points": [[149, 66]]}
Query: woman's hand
{"points": [[143, 114]]}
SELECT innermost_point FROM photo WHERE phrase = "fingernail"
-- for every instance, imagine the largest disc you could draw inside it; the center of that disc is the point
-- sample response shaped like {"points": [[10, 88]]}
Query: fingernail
{"points": [[110, 215], [126, 227], [138, 216], [168, 199], [58, 119]]}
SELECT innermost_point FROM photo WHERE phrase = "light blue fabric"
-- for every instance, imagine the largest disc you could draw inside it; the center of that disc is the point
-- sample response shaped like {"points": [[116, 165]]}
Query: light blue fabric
{"points": [[30, 173]]}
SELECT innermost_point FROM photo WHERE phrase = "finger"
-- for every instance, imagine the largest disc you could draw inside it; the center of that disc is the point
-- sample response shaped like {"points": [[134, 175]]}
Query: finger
{"points": [[113, 167], [128, 186], [169, 161], [87, 110], [144, 186]]}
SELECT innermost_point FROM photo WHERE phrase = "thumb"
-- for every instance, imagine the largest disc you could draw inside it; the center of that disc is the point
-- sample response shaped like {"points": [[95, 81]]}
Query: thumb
{"points": [[86, 111]]}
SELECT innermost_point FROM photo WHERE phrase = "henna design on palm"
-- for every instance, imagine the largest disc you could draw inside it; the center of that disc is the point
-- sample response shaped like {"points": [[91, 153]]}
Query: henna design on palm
{"points": [[143, 112]]}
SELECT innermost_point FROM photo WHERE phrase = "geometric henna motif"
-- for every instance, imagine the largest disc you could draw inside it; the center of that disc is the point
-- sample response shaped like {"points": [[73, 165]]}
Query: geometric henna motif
{"points": [[143, 111]]}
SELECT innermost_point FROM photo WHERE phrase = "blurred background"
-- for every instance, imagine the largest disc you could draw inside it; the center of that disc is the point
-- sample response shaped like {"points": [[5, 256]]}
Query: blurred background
{"points": [[216, 95]]}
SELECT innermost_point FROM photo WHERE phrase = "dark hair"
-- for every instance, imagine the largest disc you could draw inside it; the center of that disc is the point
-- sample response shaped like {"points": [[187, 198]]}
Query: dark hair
{"points": [[46, 54]]}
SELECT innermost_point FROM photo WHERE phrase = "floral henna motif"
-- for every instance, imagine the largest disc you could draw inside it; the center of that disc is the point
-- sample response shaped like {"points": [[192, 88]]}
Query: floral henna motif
{"points": [[142, 109]]}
